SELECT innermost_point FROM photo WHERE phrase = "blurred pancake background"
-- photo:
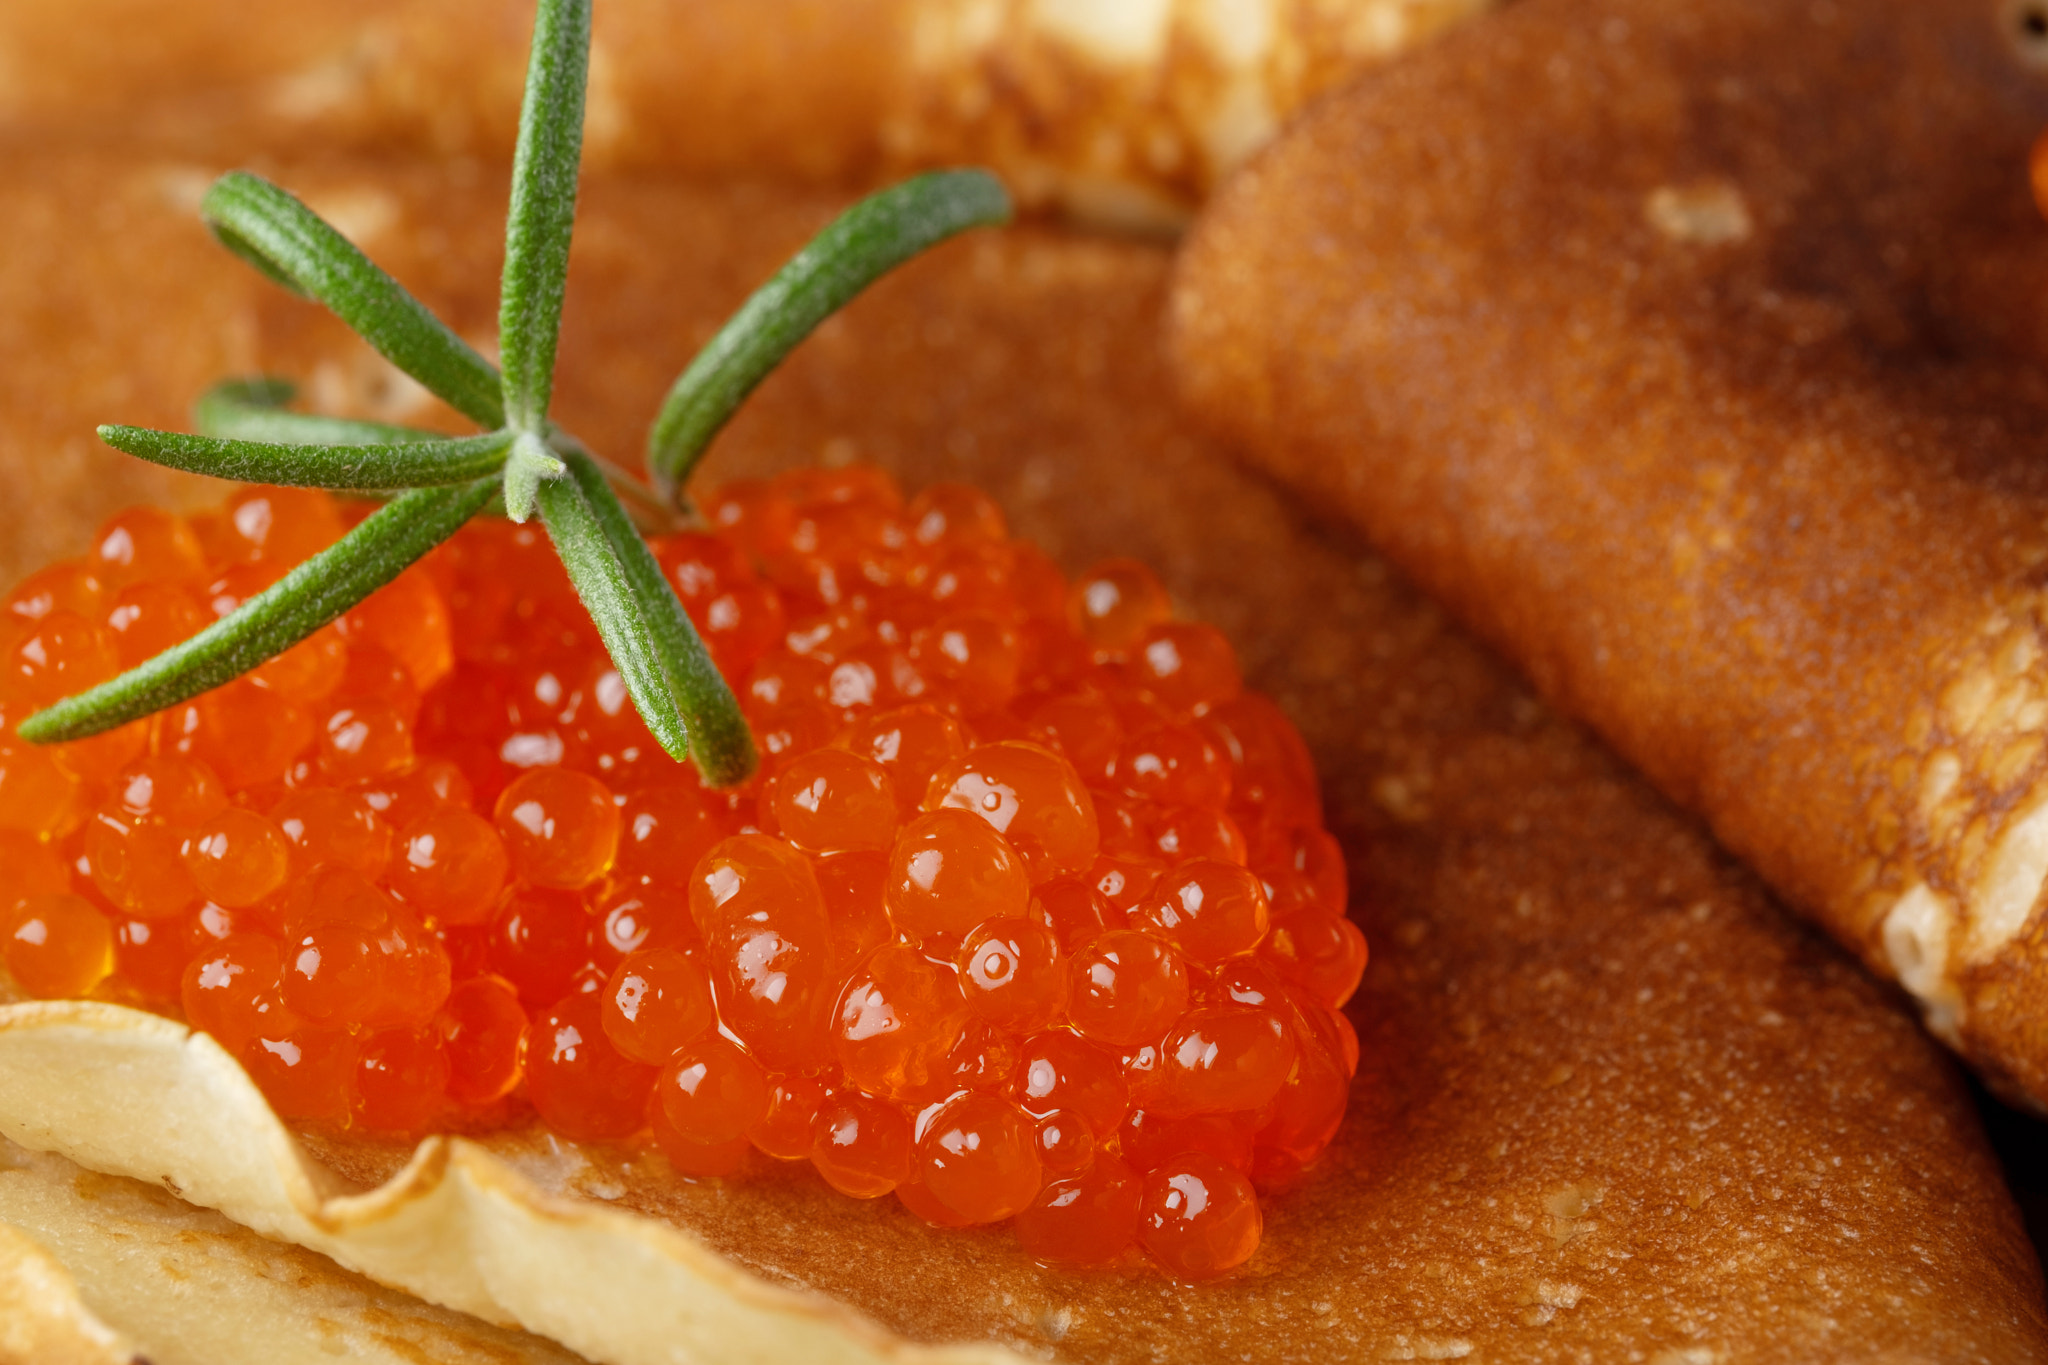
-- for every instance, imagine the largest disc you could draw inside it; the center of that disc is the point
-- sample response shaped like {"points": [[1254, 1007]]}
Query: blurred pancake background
{"points": [[1120, 112], [1506, 863]]}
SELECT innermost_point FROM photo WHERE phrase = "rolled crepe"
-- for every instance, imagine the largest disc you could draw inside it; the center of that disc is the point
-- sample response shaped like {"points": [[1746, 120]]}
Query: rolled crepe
{"points": [[1119, 111], [1689, 355], [1614, 1102]]}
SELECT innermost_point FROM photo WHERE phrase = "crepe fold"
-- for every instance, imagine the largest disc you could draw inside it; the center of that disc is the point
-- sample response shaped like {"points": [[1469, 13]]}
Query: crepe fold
{"points": [[1691, 354], [42, 1320], [1614, 1103], [82, 1253], [1123, 112]]}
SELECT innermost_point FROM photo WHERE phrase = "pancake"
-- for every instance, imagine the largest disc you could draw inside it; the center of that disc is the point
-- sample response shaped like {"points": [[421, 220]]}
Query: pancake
{"points": [[1123, 112], [84, 1254], [1702, 376], [1614, 1101], [41, 1316]]}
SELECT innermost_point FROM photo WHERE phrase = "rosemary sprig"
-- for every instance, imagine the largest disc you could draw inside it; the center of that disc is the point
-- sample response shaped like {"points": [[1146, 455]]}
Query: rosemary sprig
{"points": [[522, 459], [296, 247], [620, 615], [253, 410], [407, 464], [719, 733], [543, 213]]}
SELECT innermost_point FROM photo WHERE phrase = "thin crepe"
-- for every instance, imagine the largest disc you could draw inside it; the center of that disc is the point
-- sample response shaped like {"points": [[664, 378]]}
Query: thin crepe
{"points": [[1692, 355], [82, 1254], [42, 1319], [1119, 111], [1613, 1100]]}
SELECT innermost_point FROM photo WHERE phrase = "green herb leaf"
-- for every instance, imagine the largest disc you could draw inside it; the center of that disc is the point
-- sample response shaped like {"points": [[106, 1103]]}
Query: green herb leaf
{"points": [[307, 598], [295, 246], [543, 209], [530, 465], [253, 410], [855, 249], [411, 464], [720, 743], [608, 596]]}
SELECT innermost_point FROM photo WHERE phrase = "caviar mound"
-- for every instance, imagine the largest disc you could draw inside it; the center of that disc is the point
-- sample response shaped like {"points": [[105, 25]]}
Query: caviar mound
{"points": [[1029, 913]]}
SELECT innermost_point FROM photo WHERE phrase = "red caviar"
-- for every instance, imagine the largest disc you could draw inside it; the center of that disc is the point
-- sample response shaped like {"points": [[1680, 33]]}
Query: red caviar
{"points": [[784, 1130], [57, 945], [950, 871], [401, 1076], [657, 1001], [150, 617], [833, 801], [306, 1073], [897, 1021], [560, 828], [1115, 603], [483, 1031], [237, 858], [328, 825], [150, 956], [979, 1157], [450, 864], [1125, 988], [1211, 911], [1030, 914], [580, 1084], [861, 1145], [1198, 1217], [1066, 1143], [913, 743], [713, 1092], [231, 990], [1084, 1219], [1029, 794], [1010, 973]]}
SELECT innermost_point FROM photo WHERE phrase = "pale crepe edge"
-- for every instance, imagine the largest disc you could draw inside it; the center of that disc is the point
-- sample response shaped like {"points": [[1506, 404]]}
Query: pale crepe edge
{"points": [[124, 1092], [182, 1285], [43, 1321]]}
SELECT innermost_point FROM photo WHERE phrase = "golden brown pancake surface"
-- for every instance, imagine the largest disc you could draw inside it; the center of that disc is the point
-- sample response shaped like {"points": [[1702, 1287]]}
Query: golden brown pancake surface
{"points": [[1614, 1102], [1690, 354]]}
